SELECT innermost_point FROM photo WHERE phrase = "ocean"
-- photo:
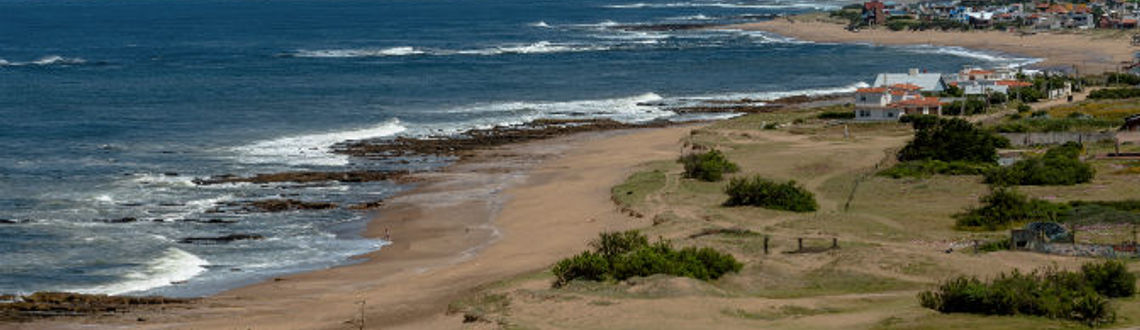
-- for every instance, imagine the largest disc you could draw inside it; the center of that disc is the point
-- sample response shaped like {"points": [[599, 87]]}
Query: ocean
{"points": [[110, 109]]}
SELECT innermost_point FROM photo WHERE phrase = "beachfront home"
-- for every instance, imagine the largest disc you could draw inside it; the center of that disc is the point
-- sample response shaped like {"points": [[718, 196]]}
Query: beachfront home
{"points": [[889, 103], [928, 82]]}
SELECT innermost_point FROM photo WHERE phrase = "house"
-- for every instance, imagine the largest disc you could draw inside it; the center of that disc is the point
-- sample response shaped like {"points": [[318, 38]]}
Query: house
{"points": [[889, 103], [1131, 124], [874, 12], [928, 82]]}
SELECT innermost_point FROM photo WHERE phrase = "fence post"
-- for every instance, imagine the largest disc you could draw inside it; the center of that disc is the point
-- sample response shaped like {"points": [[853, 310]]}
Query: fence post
{"points": [[834, 242], [801, 243], [766, 237]]}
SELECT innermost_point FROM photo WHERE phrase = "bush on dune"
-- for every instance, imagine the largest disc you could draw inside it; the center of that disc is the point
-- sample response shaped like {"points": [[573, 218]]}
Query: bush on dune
{"points": [[1004, 207], [951, 140], [919, 168], [1079, 296], [622, 255], [758, 191], [709, 166], [1059, 166]]}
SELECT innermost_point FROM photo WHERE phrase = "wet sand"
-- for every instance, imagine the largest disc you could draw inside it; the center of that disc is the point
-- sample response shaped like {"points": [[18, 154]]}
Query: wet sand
{"points": [[1089, 52], [504, 212]]}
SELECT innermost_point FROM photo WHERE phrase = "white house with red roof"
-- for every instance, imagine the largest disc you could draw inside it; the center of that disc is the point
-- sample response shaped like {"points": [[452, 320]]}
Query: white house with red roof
{"points": [[889, 103]]}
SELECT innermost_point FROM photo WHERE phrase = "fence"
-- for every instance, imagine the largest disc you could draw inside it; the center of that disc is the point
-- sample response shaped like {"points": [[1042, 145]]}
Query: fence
{"points": [[1047, 138]]}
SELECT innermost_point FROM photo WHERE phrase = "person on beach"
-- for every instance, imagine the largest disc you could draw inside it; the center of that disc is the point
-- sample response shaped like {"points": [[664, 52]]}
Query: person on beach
{"points": [[387, 234]]}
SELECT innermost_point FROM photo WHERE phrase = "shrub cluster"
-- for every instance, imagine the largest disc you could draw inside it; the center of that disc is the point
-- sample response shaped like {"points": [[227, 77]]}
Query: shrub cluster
{"points": [[1004, 207], [925, 168], [951, 140], [758, 191], [622, 255], [1039, 123], [1059, 166], [1115, 93], [709, 166], [1121, 78], [837, 115], [1078, 296]]}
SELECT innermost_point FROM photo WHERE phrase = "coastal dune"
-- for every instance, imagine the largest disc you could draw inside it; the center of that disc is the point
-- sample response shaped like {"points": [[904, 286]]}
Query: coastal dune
{"points": [[1087, 52], [505, 212]]}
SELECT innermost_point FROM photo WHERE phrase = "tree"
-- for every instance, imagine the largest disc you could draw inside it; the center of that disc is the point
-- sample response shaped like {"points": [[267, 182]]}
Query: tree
{"points": [[951, 140]]}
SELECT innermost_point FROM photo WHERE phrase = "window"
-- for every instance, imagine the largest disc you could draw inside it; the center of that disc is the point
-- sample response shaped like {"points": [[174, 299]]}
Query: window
{"points": [[864, 113], [891, 114]]}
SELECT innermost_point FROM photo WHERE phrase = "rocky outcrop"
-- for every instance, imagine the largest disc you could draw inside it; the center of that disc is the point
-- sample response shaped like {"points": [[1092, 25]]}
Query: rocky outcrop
{"points": [[281, 205], [367, 206], [53, 304], [303, 177], [482, 138], [221, 239]]}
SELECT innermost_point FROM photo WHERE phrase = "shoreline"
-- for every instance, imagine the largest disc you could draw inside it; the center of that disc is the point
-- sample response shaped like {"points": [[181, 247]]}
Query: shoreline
{"points": [[1087, 53], [443, 232]]}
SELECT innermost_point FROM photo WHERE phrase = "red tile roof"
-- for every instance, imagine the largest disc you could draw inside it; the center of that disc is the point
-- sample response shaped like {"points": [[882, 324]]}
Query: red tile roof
{"points": [[872, 90], [924, 101], [1014, 83], [973, 72], [909, 87]]}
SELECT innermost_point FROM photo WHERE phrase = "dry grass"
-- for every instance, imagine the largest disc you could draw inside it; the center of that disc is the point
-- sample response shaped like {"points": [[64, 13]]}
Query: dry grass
{"points": [[892, 242]]}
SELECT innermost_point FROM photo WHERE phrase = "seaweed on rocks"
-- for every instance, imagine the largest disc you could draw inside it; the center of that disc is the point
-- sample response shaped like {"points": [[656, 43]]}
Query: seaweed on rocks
{"points": [[459, 145], [22, 308], [304, 177]]}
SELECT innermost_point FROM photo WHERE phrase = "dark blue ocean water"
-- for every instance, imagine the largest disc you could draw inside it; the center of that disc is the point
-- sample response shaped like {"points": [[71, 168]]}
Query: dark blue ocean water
{"points": [[101, 102]]}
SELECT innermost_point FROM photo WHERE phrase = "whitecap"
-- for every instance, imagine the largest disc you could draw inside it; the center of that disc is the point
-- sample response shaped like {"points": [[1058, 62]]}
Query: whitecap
{"points": [[1003, 59], [779, 94], [173, 266], [46, 60], [540, 24], [365, 52], [311, 149]]}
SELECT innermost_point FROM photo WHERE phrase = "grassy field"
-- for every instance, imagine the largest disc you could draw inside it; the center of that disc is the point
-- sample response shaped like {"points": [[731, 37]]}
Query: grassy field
{"points": [[895, 238]]}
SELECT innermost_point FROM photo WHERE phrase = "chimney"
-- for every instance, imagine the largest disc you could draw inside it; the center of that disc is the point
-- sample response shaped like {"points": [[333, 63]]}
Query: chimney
{"points": [[914, 72]]}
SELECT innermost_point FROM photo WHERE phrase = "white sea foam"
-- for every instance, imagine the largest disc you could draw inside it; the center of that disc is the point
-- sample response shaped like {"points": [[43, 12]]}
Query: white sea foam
{"points": [[174, 265], [46, 60], [539, 47], [722, 5], [1010, 61], [311, 149], [540, 24], [697, 17], [365, 52], [779, 94]]}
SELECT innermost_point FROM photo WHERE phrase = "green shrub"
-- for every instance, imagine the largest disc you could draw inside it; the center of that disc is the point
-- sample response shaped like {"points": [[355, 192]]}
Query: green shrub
{"points": [[1042, 123], [837, 115], [586, 266], [926, 168], [1004, 207], [1059, 166], [967, 107], [1023, 108], [622, 255], [1115, 93], [1122, 78], [1049, 293], [992, 246], [709, 166], [758, 191], [951, 140], [1110, 278]]}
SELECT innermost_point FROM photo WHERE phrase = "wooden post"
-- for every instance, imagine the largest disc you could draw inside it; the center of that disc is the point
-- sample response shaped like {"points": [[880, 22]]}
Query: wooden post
{"points": [[834, 242], [766, 237], [801, 244], [975, 246]]}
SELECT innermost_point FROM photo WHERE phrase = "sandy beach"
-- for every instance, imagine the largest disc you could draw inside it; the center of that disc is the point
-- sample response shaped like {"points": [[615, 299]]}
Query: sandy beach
{"points": [[502, 213], [1089, 53]]}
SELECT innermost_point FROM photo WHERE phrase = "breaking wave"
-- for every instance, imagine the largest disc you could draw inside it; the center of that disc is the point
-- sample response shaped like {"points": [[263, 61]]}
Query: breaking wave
{"points": [[46, 60], [1010, 61], [173, 266], [722, 5], [541, 47], [312, 149]]}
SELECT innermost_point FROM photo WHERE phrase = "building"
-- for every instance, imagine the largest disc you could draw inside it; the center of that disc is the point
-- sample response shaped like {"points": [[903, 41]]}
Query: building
{"points": [[928, 82], [874, 12], [889, 103], [1131, 124]]}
